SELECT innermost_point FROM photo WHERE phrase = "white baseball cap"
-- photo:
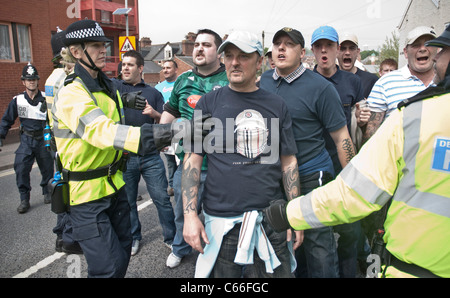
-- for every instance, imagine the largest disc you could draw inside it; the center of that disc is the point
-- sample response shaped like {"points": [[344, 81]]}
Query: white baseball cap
{"points": [[347, 36], [245, 41], [417, 32], [269, 50]]}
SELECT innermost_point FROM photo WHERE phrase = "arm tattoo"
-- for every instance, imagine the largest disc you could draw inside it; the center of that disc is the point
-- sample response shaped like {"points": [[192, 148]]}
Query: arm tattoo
{"points": [[291, 182], [349, 149], [374, 123], [189, 188]]}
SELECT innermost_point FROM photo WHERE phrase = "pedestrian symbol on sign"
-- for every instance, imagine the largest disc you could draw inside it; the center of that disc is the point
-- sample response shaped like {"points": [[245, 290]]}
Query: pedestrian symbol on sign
{"points": [[126, 43], [127, 46]]}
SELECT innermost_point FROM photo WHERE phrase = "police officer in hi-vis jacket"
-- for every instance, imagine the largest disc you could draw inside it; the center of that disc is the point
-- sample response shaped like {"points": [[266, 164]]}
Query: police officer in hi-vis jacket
{"points": [[91, 139]]}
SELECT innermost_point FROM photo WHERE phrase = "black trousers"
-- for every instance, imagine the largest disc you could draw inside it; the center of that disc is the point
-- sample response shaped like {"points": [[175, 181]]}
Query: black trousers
{"points": [[29, 150], [103, 230]]}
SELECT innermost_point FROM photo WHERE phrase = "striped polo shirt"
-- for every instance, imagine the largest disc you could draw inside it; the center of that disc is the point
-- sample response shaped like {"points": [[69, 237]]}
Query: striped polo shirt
{"points": [[392, 88]]}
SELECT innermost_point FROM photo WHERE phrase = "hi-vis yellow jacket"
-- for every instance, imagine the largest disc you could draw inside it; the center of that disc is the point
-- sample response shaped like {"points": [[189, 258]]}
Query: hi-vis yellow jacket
{"points": [[89, 135], [408, 159]]}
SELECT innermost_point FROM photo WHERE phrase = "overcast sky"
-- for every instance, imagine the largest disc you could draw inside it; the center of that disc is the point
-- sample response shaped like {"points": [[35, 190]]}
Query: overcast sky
{"points": [[371, 20]]}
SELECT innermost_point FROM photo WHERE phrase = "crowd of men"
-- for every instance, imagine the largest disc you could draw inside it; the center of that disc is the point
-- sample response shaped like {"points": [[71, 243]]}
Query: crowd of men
{"points": [[254, 154]]}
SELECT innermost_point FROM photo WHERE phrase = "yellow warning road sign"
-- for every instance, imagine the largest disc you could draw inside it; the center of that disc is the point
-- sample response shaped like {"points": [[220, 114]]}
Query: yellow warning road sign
{"points": [[126, 43]]}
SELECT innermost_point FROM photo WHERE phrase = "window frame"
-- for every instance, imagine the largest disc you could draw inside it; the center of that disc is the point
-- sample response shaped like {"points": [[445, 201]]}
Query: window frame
{"points": [[29, 41], [14, 42], [11, 43]]}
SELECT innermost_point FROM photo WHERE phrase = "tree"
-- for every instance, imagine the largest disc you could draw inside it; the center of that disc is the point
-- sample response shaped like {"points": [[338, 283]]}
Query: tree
{"points": [[367, 53], [390, 48]]}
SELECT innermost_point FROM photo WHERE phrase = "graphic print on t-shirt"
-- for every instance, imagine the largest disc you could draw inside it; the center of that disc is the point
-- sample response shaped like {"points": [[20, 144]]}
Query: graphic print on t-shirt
{"points": [[192, 100], [251, 132]]}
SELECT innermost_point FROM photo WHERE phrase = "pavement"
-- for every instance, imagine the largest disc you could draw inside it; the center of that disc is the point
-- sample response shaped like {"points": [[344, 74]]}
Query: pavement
{"points": [[7, 155]]}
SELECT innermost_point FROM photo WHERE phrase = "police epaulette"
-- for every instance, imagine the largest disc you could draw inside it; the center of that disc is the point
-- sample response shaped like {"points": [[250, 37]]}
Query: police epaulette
{"points": [[441, 88], [427, 93], [69, 79]]}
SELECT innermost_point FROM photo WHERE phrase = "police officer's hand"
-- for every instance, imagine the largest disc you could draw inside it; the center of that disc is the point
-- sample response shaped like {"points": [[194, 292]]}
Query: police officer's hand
{"points": [[194, 129], [162, 134], [134, 100], [276, 216]]}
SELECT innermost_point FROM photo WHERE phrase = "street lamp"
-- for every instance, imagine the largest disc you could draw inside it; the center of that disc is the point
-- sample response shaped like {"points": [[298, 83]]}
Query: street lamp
{"points": [[124, 11]]}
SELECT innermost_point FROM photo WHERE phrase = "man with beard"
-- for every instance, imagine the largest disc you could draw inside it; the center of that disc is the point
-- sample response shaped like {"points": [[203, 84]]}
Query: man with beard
{"points": [[209, 74], [27, 106]]}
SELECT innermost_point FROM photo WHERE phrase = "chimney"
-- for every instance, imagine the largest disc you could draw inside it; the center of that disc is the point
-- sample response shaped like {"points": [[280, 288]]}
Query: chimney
{"points": [[191, 36], [187, 47], [145, 42]]}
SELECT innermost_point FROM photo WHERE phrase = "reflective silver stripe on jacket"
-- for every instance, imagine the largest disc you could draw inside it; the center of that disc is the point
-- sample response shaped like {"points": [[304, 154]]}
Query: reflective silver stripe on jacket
{"points": [[363, 186], [121, 137], [308, 212], [406, 190], [87, 119], [63, 133], [355, 180]]}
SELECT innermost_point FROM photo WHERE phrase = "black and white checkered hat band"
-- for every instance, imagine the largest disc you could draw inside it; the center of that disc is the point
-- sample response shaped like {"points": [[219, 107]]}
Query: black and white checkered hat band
{"points": [[86, 33]]}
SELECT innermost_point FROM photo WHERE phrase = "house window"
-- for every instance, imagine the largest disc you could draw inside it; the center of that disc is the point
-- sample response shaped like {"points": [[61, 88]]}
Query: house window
{"points": [[15, 42], [106, 16], [23, 38], [6, 50], [168, 52]]}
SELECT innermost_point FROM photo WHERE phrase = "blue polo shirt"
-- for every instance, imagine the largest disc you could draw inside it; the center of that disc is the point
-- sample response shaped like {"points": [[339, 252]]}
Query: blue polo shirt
{"points": [[153, 96], [315, 108], [368, 80], [348, 86]]}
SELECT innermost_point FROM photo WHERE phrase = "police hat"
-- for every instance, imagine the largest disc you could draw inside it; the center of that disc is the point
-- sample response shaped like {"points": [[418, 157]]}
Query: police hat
{"points": [[29, 72], [57, 43], [84, 31], [441, 41]]}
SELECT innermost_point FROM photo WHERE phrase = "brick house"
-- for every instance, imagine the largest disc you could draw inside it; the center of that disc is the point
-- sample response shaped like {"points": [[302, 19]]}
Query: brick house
{"points": [[154, 56], [26, 29]]}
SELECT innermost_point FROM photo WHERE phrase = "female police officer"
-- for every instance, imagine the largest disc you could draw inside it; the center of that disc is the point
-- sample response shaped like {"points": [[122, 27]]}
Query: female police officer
{"points": [[90, 139]]}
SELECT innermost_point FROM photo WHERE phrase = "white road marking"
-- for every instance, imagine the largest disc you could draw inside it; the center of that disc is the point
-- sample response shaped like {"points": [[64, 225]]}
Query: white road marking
{"points": [[42, 264], [47, 261], [11, 171]]}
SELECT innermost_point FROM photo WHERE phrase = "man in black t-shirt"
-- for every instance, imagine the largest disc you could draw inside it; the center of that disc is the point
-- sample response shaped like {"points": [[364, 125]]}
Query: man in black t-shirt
{"points": [[250, 150]]}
